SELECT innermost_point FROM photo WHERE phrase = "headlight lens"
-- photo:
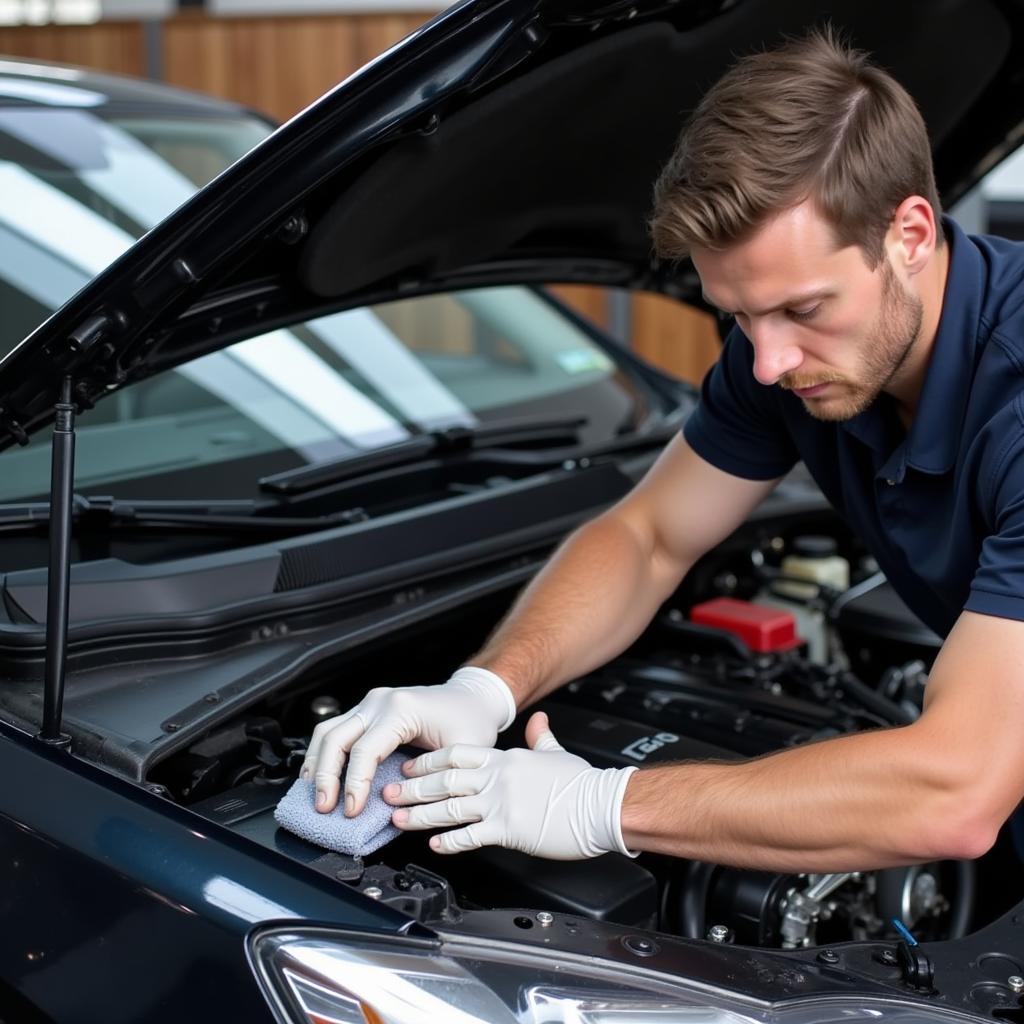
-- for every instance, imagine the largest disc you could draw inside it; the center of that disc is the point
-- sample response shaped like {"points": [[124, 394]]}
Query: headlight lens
{"points": [[324, 977]]}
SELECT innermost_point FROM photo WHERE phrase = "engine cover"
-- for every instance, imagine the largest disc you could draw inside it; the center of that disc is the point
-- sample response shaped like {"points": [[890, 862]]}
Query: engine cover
{"points": [[698, 707]]}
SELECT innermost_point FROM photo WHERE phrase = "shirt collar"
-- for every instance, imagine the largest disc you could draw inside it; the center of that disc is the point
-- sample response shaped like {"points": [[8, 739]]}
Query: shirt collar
{"points": [[934, 437]]}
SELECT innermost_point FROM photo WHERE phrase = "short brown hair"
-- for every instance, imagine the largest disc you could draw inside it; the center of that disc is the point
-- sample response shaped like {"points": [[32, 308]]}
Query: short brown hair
{"points": [[811, 119]]}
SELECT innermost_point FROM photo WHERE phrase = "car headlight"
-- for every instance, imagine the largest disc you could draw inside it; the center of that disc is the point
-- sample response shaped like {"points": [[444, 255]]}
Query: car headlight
{"points": [[320, 976]]}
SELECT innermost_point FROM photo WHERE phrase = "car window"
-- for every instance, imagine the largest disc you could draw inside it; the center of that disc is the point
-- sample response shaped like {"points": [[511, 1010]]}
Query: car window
{"points": [[195, 148], [76, 190], [342, 383], [496, 346]]}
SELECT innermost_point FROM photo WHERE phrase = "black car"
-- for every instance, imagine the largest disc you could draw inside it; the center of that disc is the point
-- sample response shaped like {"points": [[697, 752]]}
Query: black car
{"points": [[312, 432]]}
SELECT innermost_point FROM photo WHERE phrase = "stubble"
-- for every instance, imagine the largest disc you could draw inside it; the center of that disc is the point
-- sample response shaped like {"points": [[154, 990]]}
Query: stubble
{"points": [[890, 341]]}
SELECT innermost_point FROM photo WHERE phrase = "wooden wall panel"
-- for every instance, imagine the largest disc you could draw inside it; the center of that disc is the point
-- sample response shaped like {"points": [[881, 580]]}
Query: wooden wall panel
{"points": [[676, 338], [679, 339], [591, 302], [109, 46], [277, 65]]}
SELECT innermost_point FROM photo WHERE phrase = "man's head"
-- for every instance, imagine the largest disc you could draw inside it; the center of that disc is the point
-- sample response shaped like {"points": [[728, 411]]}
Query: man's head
{"points": [[802, 189]]}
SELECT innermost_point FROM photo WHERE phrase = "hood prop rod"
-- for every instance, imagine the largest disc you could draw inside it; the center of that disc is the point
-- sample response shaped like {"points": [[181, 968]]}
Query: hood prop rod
{"points": [[58, 579]]}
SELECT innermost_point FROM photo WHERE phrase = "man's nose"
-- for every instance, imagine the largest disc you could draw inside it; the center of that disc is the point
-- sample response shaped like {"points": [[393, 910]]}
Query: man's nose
{"points": [[775, 353]]}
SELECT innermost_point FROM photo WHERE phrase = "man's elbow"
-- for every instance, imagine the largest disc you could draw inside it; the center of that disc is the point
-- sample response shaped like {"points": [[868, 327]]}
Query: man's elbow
{"points": [[958, 801], [968, 842], [965, 833]]}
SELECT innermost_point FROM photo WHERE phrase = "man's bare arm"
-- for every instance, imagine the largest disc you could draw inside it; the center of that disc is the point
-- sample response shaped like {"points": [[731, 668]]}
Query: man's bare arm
{"points": [[938, 788], [603, 586], [594, 597]]}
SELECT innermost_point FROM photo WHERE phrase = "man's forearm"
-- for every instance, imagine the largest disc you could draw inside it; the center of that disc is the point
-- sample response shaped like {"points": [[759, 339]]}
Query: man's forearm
{"points": [[872, 800], [591, 601]]}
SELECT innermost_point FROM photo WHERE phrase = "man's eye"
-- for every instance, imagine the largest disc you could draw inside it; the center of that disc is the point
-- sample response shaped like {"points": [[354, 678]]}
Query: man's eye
{"points": [[804, 314]]}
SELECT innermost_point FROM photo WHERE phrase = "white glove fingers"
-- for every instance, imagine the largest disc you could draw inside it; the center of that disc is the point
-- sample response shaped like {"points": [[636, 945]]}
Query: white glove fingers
{"points": [[365, 756], [316, 742], [470, 838], [546, 741], [539, 735], [453, 811], [461, 755], [436, 786], [331, 759]]}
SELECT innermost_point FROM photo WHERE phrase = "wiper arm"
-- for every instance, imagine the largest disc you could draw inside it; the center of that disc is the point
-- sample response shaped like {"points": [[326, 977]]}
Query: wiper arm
{"points": [[560, 430], [103, 512]]}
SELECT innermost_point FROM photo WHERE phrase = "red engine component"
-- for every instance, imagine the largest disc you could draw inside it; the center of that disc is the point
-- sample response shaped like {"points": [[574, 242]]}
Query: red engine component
{"points": [[760, 627]]}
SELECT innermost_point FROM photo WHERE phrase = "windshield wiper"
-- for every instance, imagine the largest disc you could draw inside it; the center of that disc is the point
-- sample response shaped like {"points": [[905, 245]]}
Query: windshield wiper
{"points": [[556, 431], [103, 512]]}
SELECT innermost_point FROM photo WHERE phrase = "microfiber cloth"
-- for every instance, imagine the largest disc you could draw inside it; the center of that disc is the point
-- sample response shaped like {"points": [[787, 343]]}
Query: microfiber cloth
{"points": [[357, 836]]}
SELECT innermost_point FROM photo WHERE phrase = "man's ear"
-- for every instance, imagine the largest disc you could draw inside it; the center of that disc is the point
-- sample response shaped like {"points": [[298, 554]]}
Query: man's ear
{"points": [[913, 235]]}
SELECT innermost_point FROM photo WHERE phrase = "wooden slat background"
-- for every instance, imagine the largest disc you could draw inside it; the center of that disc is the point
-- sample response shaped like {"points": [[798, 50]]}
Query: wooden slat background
{"points": [[108, 46], [278, 65]]}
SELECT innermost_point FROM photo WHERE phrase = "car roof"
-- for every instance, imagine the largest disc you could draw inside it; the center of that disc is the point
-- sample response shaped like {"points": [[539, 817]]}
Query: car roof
{"points": [[43, 84]]}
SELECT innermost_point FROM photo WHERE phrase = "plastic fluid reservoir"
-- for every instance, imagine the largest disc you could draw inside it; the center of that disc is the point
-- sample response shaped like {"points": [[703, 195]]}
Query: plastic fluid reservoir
{"points": [[816, 559], [810, 621]]}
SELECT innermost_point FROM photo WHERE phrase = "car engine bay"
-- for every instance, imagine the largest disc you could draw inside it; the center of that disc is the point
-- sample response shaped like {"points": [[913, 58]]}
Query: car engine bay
{"points": [[759, 650]]}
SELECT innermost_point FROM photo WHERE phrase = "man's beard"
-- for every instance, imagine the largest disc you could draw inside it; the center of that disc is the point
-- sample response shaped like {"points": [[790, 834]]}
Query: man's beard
{"points": [[886, 348]]}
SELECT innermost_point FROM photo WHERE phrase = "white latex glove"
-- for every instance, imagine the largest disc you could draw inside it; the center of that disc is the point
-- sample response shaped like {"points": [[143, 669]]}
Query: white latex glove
{"points": [[472, 707], [543, 801]]}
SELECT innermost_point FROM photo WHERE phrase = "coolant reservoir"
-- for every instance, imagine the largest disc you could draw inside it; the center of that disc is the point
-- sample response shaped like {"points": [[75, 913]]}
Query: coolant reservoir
{"points": [[815, 558]]}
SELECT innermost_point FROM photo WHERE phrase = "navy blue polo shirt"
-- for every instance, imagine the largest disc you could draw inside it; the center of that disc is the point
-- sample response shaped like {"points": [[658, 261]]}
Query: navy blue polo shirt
{"points": [[941, 507]]}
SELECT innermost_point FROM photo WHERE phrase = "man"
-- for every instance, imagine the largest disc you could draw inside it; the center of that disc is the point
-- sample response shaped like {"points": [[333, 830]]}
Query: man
{"points": [[884, 348]]}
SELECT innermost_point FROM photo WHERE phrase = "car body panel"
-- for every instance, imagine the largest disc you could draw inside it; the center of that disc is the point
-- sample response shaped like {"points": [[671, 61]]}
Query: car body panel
{"points": [[121, 906], [40, 84]]}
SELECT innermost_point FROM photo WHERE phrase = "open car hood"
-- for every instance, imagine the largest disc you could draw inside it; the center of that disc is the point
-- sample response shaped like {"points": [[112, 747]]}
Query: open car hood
{"points": [[507, 141]]}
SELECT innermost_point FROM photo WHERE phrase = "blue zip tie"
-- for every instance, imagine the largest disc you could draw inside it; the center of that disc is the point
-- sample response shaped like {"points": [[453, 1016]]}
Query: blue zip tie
{"points": [[904, 931]]}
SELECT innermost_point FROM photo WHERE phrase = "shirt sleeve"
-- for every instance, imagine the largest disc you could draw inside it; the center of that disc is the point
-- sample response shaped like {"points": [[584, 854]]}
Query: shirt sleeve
{"points": [[998, 584], [737, 425]]}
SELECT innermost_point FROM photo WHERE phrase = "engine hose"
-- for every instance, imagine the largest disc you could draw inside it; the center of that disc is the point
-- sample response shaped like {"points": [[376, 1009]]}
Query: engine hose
{"points": [[874, 701], [694, 902], [963, 908]]}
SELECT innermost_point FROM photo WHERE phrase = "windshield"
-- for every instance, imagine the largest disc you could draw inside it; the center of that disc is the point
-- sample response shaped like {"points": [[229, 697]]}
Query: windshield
{"points": [[76, 190]]}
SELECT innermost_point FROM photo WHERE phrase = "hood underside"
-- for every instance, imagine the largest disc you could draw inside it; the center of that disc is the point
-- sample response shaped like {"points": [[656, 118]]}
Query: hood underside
{"points": [[506, 141], [558, 163]]}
